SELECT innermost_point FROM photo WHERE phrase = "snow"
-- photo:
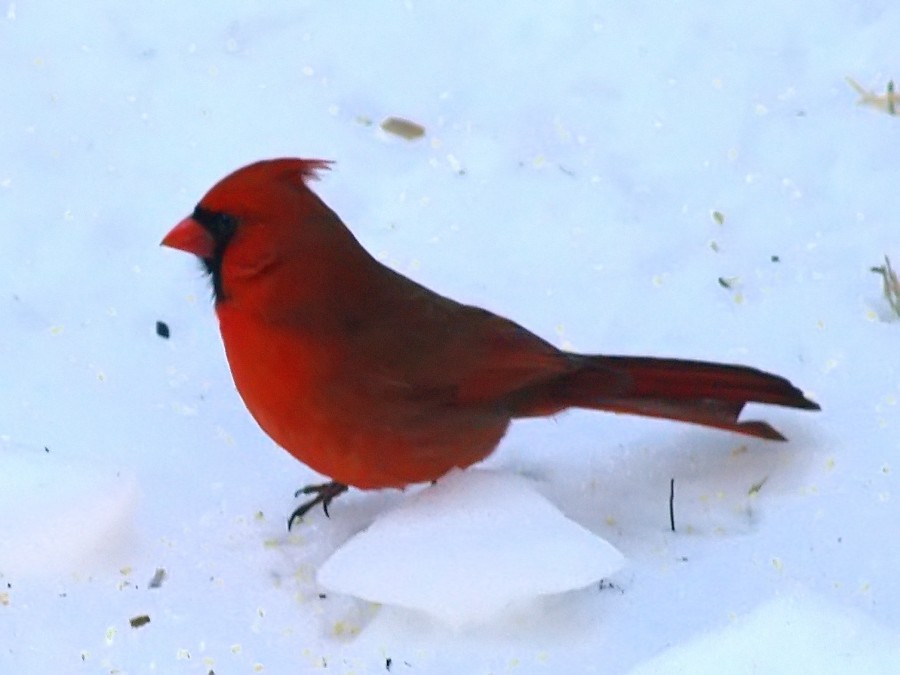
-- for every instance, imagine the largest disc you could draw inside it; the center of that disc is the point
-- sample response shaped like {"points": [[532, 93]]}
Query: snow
{"points": [[574, 157], [501, 545], [797, 631], [69, 515]]}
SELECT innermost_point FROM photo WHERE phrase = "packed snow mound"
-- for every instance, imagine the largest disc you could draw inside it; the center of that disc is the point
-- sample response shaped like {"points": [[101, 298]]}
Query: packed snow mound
{"points": [[467, 548], [61, 516]]}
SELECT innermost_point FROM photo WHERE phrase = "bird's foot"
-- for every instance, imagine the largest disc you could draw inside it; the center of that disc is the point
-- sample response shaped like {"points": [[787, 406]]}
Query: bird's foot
{"points": [[324, 492]]}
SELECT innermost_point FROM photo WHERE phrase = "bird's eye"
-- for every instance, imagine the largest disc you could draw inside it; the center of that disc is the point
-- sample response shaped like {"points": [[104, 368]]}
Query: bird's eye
{"points": [[220, 225], [225, 226]]}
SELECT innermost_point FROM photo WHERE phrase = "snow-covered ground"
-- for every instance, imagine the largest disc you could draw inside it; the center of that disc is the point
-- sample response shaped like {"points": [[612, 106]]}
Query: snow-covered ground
{"points": [[684, 179]]}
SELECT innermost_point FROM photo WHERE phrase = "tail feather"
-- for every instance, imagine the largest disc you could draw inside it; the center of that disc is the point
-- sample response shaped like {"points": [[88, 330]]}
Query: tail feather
{"points": [[709, 394]]}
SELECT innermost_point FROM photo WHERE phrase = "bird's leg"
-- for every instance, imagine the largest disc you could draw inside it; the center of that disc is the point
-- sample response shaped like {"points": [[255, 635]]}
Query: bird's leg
{"points": [[324, 492]]}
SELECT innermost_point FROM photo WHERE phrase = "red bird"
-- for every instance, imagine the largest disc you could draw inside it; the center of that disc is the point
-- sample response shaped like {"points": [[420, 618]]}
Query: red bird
{"points": [[376, 381]]}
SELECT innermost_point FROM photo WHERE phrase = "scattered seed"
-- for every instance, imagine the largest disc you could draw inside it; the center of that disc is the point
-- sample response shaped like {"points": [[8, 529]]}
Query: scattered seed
{"points": [[158, 577], [138, 621], [403, 128]]}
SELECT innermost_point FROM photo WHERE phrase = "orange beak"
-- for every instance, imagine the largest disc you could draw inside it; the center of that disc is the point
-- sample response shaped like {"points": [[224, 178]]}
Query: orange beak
{"points": [[189, 236]]}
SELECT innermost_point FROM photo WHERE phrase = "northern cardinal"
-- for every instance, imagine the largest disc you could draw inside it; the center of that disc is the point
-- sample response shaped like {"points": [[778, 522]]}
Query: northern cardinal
{"points": [[376, 381]]}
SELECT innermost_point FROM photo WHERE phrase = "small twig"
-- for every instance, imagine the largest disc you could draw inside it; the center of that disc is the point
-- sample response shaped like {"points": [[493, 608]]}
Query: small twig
{"points": [[891, 284], [672, 504]]}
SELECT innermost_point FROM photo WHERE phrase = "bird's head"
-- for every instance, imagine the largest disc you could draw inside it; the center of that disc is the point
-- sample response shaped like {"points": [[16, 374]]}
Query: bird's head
{"points": [[265, 238]]}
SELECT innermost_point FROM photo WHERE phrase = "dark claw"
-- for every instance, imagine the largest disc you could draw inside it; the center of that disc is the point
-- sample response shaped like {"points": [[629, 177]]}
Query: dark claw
{"points": [[324, 492]]}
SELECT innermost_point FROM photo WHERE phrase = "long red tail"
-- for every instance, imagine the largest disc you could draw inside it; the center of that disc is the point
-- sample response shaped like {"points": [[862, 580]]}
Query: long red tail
{"points": [[710, 394]]}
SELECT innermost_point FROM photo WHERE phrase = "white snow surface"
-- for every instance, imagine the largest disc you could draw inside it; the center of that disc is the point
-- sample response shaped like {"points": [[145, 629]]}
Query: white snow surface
{"points": [[786, 635], [46, 503], [674, 179], [500, 546]]}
